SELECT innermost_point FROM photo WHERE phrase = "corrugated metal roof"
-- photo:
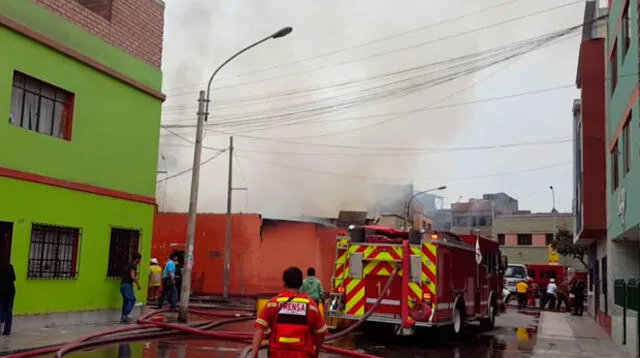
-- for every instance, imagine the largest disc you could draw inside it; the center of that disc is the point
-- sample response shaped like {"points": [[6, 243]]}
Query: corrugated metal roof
{"points": [[299, 219]]}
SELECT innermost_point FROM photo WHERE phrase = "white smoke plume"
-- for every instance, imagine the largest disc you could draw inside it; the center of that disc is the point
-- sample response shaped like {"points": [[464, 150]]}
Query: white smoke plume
{"points": [[200, 34]]}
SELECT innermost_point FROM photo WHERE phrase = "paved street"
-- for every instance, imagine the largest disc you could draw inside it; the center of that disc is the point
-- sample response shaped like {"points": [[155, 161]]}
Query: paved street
{"points": [[517, 334]]}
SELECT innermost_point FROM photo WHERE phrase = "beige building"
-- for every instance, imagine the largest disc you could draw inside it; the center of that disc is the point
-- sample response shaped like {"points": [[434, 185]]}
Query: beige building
{"points": [[525, 237]]}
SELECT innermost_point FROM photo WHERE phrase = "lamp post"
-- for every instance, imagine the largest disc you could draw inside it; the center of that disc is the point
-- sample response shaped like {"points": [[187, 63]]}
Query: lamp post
{"points": [[553, 211], [203, 115], [406, 218]]}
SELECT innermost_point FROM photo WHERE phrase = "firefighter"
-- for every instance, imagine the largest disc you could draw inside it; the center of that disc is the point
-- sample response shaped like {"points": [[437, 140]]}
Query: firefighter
{"points": [[521, 289], [292, 321]]}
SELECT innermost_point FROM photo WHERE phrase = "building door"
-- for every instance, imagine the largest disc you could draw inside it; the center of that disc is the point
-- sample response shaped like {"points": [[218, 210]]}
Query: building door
{"points": [[6, 235], [597, 282], [605, 282]]}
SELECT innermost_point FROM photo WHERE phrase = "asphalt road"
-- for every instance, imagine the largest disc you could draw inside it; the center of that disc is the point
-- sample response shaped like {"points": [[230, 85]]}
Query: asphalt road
{"points": [[513, 336]]}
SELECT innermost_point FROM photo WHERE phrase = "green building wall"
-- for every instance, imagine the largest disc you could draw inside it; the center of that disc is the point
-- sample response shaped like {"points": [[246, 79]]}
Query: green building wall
{"points": [[114, 145], [115, 133], [617, 103]]}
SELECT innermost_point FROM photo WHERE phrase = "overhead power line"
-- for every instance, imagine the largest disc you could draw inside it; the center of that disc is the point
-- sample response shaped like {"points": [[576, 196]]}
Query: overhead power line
{"points": [[183, 172], [364, 44], [417, 45], [418, 151], [406, 179], [299, 114]]}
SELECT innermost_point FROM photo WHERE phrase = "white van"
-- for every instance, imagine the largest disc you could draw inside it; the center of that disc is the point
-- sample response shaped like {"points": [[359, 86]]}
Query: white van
{"points": [[514, 274]]}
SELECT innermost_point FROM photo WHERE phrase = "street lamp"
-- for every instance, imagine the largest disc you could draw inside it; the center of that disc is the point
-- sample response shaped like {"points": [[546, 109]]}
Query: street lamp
{"points": [[203, 115], [414, 196], [553, 211]]}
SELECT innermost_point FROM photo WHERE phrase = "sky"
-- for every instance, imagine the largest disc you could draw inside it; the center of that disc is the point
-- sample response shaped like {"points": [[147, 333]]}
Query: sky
{"points": [[344, 103]]}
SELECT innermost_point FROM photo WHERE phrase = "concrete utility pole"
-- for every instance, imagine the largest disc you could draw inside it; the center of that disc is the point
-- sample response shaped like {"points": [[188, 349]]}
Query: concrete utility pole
{"points": [[185, 292], [227, 236], [553, 211], [203, 116]]}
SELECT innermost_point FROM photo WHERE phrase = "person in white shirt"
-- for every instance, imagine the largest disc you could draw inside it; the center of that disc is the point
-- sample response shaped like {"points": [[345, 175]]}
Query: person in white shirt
{"points": [[551, 293]]}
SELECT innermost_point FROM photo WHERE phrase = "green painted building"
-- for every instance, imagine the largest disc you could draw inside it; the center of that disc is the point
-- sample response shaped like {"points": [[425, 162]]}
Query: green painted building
{"points": [[80, 89], [622, 260]]}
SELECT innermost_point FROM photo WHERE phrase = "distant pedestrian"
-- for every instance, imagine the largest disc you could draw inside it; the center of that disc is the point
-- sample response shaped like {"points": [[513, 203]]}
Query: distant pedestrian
{"points": [[169, 291], [562, 296], [521, 290], [155, 279], [129, 278], [550, 296], [312, 286], [7, 295], [578, 298], [178, 278]]}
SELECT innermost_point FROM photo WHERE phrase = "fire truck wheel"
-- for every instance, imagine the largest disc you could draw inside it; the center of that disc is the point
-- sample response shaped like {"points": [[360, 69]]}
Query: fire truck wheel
{"points": [[489, 322], [458, 320]]}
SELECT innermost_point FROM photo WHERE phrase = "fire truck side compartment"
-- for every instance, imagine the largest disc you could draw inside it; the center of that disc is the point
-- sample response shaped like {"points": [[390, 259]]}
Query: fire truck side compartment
{"points": [[355, 266], [416, 268]]}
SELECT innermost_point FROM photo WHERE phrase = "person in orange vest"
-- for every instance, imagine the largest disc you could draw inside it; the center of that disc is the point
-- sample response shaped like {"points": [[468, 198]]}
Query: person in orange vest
{"points": [[291, 321]]}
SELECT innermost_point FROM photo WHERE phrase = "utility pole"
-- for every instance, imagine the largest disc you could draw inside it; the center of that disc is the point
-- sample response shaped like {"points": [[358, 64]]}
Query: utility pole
{"points": [[553, 212], [227, 238], [185, 290]]}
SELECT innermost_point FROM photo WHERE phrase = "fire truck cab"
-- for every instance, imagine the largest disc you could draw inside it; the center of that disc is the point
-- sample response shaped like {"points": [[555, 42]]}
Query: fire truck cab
{"points": [[436, 283]]}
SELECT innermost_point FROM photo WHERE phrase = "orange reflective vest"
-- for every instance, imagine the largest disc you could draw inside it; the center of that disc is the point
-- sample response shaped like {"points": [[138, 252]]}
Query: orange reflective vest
{"points": [[291, 335]]}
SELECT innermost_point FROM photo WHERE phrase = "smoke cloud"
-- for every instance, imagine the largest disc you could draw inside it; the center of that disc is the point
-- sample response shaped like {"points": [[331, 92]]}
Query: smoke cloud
{"points": [[200, 34]]}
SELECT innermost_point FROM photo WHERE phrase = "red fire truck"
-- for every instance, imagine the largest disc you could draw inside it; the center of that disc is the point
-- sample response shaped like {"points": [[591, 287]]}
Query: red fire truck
{"points": [[443, 286]]}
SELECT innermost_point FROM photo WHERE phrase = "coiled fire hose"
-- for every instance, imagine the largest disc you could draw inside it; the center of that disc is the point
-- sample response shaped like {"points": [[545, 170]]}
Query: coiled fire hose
{"points": [[245, 352], [150, 329]]}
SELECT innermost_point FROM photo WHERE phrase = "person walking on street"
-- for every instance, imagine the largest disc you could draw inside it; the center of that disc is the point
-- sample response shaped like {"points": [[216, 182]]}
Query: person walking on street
{"points": [[155, 280], [312, 286], [521, 290], [7, 295], [169, 291], [562, 296], [293, 322], [129, 278], [550, 297], [578, 298]]}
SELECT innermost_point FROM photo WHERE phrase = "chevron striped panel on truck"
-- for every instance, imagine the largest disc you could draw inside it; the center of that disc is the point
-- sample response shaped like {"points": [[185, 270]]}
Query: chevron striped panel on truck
{"points": [[429, 267], [341, 271], [355, 297], [377, 252]]}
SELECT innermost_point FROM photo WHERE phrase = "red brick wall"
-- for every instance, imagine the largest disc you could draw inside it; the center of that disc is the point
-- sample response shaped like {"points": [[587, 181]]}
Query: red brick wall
{"points": [[594, 195], [135, 26], [257, 259]]}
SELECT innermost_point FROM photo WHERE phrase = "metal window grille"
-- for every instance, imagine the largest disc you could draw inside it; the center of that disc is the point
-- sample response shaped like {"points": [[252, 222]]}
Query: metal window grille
{"points": [[124, 244], [525, 239], [53, 253], [38, 106]]}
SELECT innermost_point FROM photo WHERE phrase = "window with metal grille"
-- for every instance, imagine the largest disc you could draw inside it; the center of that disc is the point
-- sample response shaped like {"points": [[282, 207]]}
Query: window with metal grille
{"points": [[54, 252], [626, 144], [525, 239], [613, 67], [40, 107], [501, 239], [625, 28], [548, 238], [615, 167], [124, 244]]}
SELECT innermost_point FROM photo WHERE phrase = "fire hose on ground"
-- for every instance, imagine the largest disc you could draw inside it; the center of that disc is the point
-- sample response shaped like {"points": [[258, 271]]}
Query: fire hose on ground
{"points": [[147, 328], [333, 337]]}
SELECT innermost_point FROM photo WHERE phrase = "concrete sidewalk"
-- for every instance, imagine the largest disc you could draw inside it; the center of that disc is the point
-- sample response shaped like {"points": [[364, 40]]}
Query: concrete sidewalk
{"points": [[44, 337], [564, 335]]}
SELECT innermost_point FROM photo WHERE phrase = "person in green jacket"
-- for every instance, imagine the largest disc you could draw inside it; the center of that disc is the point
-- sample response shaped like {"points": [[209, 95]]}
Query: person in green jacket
{"points": [[312, 286]]}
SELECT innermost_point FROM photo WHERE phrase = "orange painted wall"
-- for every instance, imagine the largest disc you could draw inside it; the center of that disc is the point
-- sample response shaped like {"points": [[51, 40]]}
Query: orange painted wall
{"points": [[257, 258]]}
